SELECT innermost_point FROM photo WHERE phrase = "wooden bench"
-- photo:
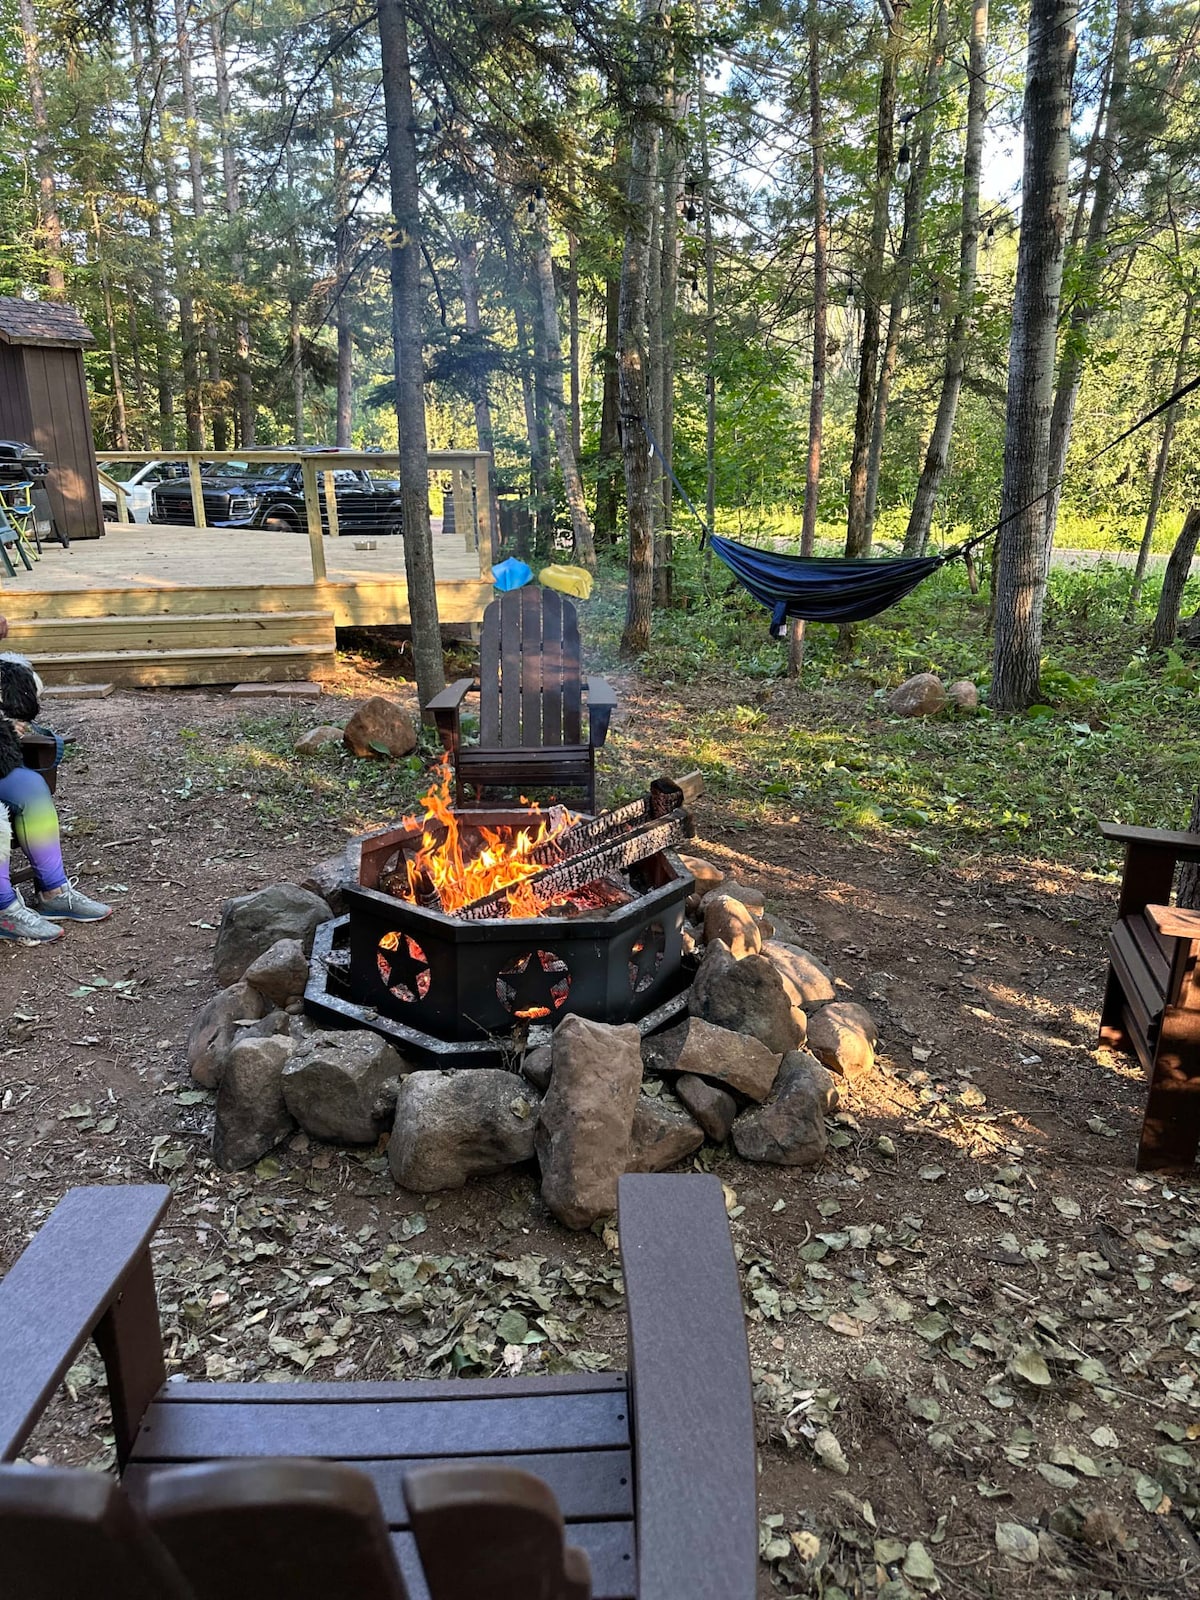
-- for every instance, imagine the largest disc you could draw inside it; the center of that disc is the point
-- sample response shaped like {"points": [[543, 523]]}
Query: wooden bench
{"points": [[406, 1489], [1152, 997], [531, 691]]}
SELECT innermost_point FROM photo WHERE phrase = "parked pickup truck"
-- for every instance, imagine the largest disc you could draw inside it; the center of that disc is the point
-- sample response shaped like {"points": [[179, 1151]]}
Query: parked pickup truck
{"points": [[270, 494]]}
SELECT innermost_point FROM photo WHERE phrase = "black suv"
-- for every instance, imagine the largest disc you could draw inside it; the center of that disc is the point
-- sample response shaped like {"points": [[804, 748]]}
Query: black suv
{"points": [[267, 494]]}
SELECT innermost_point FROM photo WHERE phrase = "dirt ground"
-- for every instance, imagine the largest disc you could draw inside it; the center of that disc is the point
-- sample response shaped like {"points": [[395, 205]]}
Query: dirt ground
{"points": [[975, 1330]]}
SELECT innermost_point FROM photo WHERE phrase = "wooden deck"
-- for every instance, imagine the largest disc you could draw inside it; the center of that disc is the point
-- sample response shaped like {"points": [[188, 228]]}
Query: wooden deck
{"points": [[156, 605]]}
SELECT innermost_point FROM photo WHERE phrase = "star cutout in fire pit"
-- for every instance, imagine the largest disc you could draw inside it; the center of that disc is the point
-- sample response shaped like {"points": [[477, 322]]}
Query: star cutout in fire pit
{"points": [[535, 985], [646, 957], [403, 966]]}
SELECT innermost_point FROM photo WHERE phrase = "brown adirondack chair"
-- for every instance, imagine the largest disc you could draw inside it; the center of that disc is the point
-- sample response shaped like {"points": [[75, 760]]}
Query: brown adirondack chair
{"points": [[444, 1490], [1151, 1004], [531, 691]]}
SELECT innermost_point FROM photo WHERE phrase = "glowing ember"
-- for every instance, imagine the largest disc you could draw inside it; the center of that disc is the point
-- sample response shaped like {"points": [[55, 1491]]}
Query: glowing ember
{"points": [[502, 860]]}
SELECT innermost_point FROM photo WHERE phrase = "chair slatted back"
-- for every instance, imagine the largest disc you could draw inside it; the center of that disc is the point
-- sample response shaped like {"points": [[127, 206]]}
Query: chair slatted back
{"points": [[257, 1529], [530, 672], [71, 1535], [492, 1533]]}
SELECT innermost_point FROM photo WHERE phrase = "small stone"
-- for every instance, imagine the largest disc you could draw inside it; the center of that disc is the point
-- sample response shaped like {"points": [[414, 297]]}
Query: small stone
{"points": [[536, 1065], [712, 1108], [739, 1061], [809, 978], [586, 1120], [342, 1086], [746, 996], [662, 1136], [251, 1115], [317, 738], [731, 921], [842, 1036], [252, 923], [213, 1031], [458, 1125], [706, 874], [747, 893], [789, 1129], [963, 695], [329, 878], [381, 728], [921, 696], [281, 972]]}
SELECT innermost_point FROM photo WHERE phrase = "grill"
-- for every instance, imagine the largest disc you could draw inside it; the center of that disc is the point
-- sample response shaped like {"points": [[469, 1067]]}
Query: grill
{"points": [[177, 509], [480, 983]]}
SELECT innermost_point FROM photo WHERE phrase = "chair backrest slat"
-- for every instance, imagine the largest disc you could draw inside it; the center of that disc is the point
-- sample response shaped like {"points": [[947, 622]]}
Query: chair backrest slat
{"points": [[257, 1529], [509, 673], [489, 677], [530, 672], [71, 1535], [533, 671], [572, 676]]}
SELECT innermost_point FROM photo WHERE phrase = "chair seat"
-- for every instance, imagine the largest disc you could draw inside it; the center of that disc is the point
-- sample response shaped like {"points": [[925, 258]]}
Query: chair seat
{"points": [[573, 1432]]}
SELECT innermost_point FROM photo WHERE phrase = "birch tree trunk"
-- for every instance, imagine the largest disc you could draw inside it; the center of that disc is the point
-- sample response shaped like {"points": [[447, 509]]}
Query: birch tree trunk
{"points": [[910, 239], [1070, 371], [1020, 585], [858, 534], [820, 334], [1166, 620], [247, 429], [1160, 466], [49, 225], [631, 336], [407, 330], [581, 523]]}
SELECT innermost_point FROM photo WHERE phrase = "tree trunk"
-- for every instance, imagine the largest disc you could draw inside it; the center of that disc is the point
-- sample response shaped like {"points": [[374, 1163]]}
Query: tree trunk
{"points": [[342, 267], [858, 534], [407, 333], [710, 312], [631, 346], [1020, 586], [609, 466], [573, 340], [910, 239], [1160, 466], [247, 428], [296, 360], [193, 400], [1166, 620], [581, 523], [664, 555], [156, 272], [468, 264], [547, 510], [49, 226], [1070, 372], [820, 334], [1187, 893], [937, 454], [120, 429]]}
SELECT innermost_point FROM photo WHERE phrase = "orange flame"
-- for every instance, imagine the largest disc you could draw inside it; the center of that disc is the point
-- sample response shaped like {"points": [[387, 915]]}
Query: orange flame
{"points": [[502, 862]]}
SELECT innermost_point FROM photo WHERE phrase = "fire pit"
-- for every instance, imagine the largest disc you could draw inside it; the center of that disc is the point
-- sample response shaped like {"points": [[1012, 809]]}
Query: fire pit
{"points": [[469, 932]]}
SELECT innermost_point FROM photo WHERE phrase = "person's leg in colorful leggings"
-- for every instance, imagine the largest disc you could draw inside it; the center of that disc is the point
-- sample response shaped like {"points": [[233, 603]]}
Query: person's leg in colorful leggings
{"points": [[30, 806], [17, 921]]}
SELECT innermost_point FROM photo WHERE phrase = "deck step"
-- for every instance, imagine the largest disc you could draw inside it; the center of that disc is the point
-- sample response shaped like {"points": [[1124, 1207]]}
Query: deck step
{"points": [[103, 634], [266, 663]]}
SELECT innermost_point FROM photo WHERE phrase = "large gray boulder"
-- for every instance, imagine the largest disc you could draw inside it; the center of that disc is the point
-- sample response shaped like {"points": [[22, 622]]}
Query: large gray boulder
{"points": [[252, 923], [739, 1061], [342, 1086], [789, 1128], [381, 728], [458, 1125], [251, 1115], [842, 1037], [215, 1028], [280, 973], [747, 996], [583, 1133], [662, 1136], [809, 978]]}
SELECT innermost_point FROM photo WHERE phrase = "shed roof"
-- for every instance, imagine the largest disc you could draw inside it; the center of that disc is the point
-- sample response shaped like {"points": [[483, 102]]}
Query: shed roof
{"points": [[41, 322]]}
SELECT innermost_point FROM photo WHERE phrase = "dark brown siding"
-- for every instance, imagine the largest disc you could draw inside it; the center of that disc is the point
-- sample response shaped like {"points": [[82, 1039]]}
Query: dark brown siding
{"points": [[59, 425]]}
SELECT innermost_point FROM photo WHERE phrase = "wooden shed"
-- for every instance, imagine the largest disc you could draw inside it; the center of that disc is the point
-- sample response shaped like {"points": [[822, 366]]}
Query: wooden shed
{"points": [[44, 401]]}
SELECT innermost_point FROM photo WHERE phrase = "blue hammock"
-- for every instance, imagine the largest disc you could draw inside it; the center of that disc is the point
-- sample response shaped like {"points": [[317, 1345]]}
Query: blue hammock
{"points": [[821, 588]]}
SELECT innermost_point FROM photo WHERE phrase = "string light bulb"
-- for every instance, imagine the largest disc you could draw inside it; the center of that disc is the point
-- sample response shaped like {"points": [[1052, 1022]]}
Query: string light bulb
{"points": [[936, 304], [691, 213], [695, 285], [531, 208], [904, 164], [539, 193], [437, 124], [991, 232], [850, 295]]}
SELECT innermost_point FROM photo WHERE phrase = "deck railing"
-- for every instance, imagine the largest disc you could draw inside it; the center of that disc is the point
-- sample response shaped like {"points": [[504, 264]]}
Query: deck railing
{"points": [[468, 470]]}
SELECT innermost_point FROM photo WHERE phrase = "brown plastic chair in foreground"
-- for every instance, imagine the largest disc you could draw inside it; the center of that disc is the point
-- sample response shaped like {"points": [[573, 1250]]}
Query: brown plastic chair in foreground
{"points": [[1152, 998], [614, 1486], [531, 691]]}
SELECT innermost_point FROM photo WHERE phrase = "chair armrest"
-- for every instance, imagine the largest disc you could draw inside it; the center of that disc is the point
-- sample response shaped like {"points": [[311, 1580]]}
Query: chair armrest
{"points": [[1182, 846], [689, 1373], [602, 702], [444, 708], [87, 1272], [1174, 922]]}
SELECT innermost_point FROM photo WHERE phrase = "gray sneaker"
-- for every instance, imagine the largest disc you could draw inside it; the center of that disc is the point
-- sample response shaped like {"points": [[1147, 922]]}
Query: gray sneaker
{"points": [[23, 926], [70, 904]]}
